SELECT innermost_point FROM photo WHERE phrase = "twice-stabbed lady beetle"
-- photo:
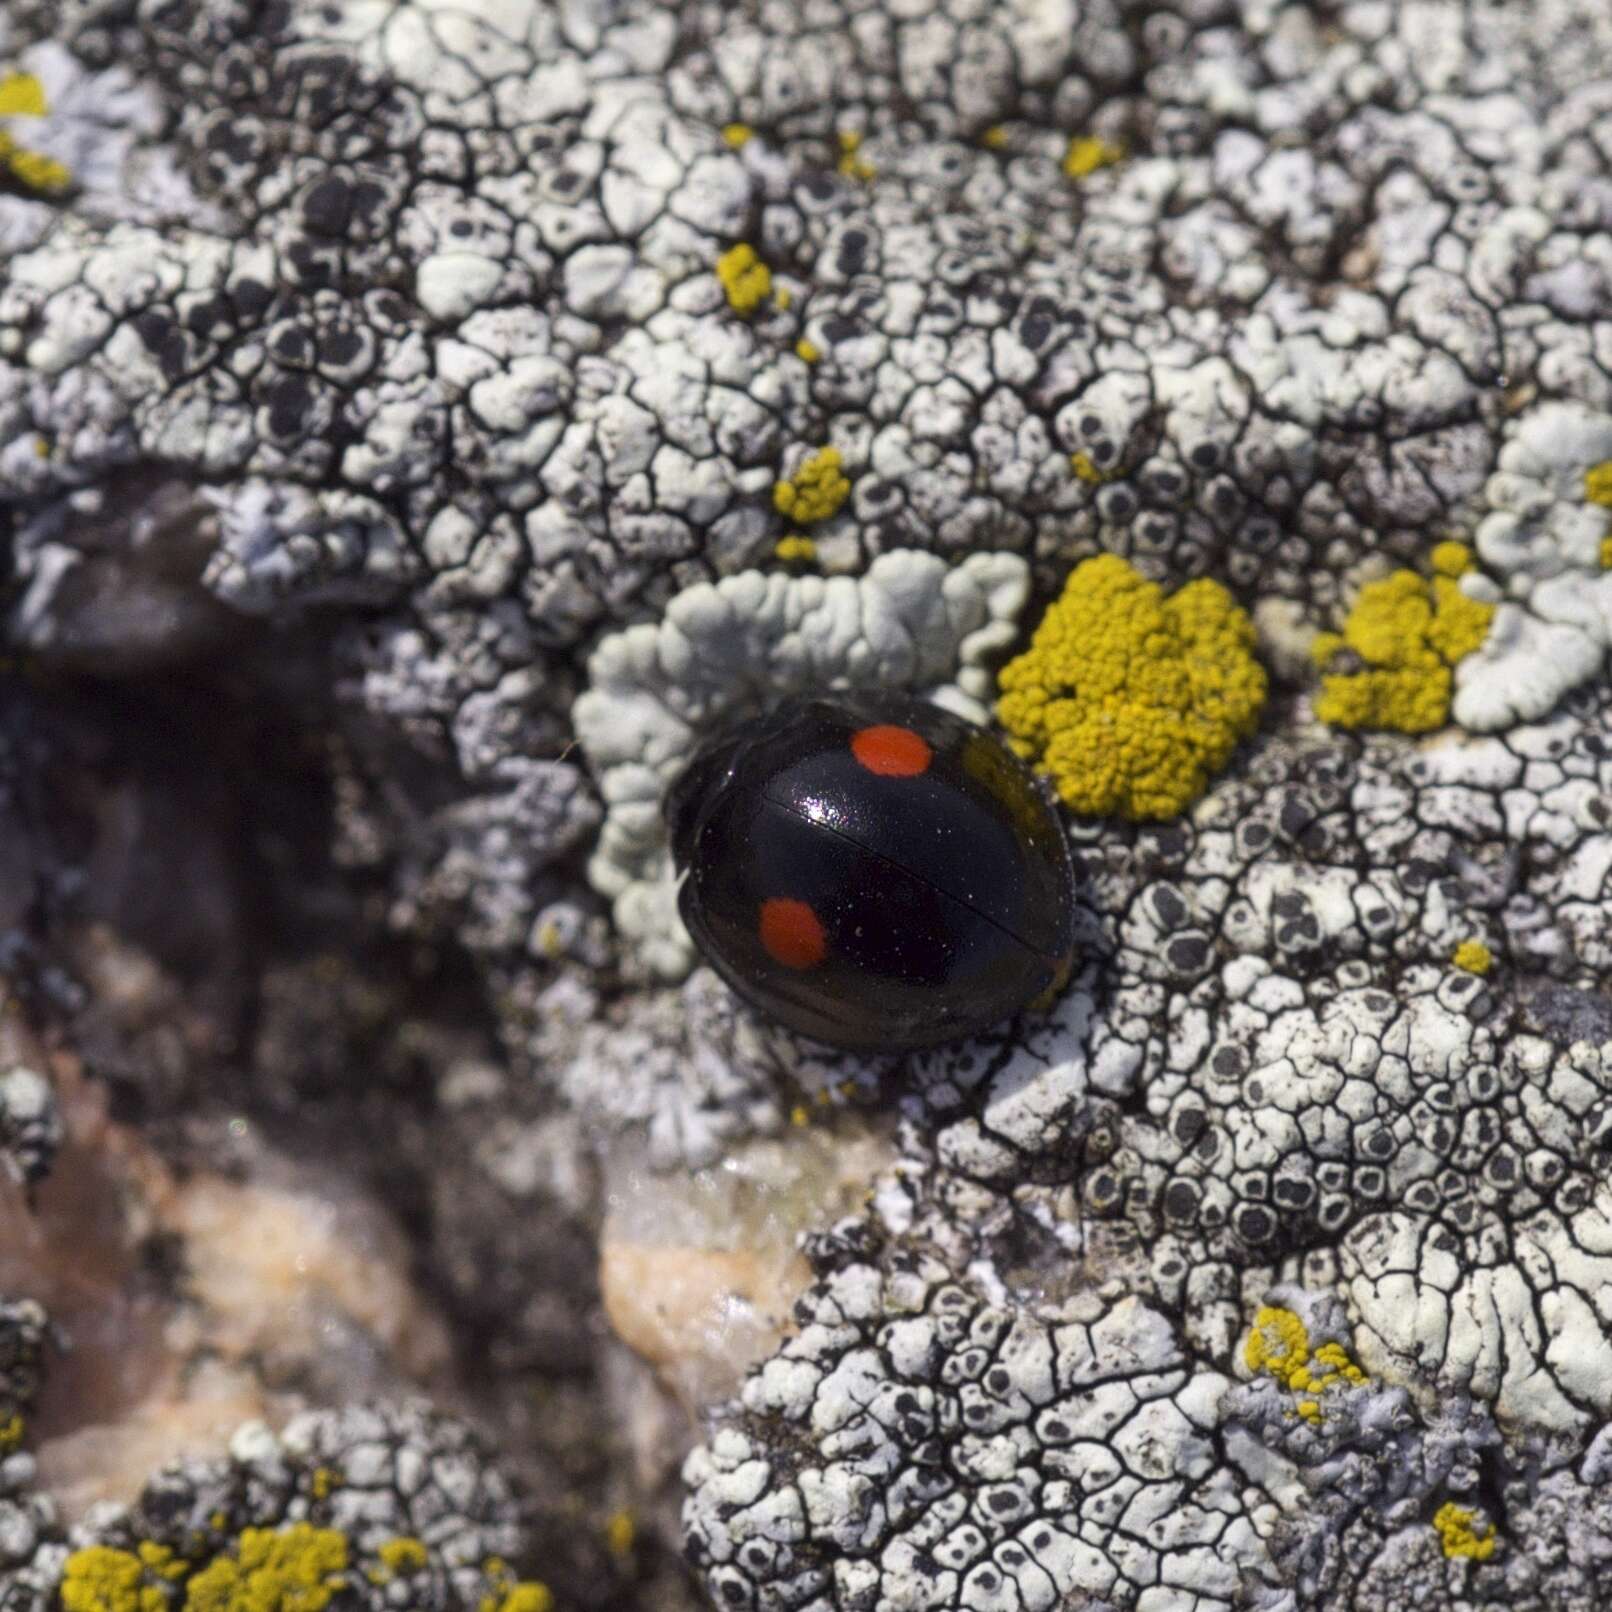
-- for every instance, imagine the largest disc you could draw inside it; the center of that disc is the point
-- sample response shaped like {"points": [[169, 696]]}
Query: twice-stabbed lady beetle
{"points": [[873, 871]]}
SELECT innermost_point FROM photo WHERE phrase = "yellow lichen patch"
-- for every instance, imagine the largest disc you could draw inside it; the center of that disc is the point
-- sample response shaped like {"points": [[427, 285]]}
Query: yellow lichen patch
{"points": [[800, 1116], [1407, 632], [295, 1569], [783, 296], [1086, 154], [23, 96], [1338, 1366], [1451, 559], [815, 491], [746, 280], [1598, 483], [852, 165], [1279, 1346], [1473, 956], [807, 350], [527, 1597], [1081, 464], [160, 1559], [512, 1595], [1606, 553], [11, 1431], [736, 134], [1130, 700], [404, 1554], [325, 1478], [620, 1532], [1455, 1528], [101, 1579], [994, 137], [796, 549], [1459, 624]]}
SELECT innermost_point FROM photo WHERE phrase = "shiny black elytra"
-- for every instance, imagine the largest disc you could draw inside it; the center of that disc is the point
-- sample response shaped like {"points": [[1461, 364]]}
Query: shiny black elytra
{"points": [[873, 871]]}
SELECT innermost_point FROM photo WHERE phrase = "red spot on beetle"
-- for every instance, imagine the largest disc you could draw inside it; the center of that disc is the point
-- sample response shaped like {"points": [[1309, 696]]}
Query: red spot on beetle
{"points": [[891, 751], [792, 933]]}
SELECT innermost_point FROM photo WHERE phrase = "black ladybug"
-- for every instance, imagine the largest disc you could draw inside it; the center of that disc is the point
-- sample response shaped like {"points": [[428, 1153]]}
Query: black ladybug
{"points": [[872, 870]]}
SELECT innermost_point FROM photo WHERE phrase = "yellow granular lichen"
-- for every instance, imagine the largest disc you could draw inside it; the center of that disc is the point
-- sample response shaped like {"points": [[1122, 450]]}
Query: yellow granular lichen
{"points": [[1279, 1346], [796, 549], [1130, 700], [294, 1569], [807, 350], [746, 280], [1458, 1536], [1339, 1367], [1451, 559], [1082, 465], [528, 1597], [994, 137], [1606, 553], [1473, 956], [852, 165], [736, 134], [1086, 154], [815, 491], [404, 1554], [160, 1559], [324, 1480], [1598, 483], [512, 1595], [101, 1579], [800, 1116], [11, 1431], [621, 1531], [1409, 632], [22, 95]]}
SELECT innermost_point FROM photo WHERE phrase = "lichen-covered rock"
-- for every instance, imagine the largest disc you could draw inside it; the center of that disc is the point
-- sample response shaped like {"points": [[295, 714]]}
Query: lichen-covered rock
{"points": [[24, 1334], [919, 1445], [455, 345], [367, 1507], [1547, 542]]}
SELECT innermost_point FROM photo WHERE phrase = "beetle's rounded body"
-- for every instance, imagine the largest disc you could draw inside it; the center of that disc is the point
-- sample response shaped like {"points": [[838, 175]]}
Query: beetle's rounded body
{"points": [[873, 871]]}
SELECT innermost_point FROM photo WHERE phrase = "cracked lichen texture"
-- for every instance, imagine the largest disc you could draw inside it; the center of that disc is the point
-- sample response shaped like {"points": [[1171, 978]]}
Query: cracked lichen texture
{"points": [[426, 301], [1271, 1071], [362, 1508], [1346, 1455], [455, 326], [726, 650], [1543, 535], [1299, 1071], [916, 1445]]}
